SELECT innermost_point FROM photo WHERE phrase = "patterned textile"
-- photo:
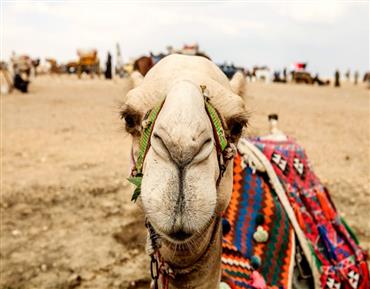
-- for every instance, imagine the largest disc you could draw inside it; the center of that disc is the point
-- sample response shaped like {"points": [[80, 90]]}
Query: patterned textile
{"points": [[340, 260], [255, 211], [254, 208]]}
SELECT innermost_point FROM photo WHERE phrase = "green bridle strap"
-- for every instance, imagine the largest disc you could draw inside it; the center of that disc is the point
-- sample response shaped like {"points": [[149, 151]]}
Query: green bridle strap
{"points": [[144, 144], [145, 137], [217, 126]]}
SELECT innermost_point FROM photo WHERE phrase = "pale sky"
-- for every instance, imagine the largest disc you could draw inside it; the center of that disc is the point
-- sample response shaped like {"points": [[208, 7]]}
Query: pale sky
{"points": [[327, 34]]}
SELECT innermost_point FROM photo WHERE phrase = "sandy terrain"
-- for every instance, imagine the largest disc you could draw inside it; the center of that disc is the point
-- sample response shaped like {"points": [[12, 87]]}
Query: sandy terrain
{"points": [[66, 216]]}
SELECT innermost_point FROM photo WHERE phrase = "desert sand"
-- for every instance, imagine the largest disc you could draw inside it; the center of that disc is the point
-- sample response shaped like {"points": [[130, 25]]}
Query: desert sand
{"points": [[66, 216]]}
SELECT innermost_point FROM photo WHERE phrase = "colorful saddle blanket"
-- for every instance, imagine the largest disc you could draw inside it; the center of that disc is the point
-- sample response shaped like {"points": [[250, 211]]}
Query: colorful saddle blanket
{"points": [[259, 247], [260, 237]]}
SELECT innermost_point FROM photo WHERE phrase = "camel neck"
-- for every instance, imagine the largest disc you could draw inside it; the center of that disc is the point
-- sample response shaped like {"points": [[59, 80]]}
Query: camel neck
{"points": [[199, 265]]}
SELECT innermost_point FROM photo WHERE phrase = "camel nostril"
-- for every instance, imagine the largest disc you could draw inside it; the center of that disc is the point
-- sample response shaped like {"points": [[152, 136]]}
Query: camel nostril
{"points": [[180, 235]]}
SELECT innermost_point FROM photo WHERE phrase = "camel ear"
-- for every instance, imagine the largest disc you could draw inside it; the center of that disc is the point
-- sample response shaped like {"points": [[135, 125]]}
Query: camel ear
{"points": [[132, 120], [235, 126], [136, 78], [238, 83]]}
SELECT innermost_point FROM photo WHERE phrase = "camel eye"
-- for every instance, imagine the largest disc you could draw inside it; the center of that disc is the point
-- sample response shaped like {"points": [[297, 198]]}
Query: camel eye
{"points": [[236, 129], [131, 119]]}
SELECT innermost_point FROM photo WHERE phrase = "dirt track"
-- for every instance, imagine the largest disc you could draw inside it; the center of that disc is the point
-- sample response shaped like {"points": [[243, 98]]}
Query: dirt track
{"points": [[67, 221]]}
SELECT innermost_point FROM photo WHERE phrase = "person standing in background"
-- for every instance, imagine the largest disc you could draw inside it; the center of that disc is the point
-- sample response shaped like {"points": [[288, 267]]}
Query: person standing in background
{"points": [[337, 78], [108, 68], [285, 76]]}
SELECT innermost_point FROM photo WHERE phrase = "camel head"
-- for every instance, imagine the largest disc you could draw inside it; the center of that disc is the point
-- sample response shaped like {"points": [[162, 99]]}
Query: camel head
{"points": [[183, 187]]}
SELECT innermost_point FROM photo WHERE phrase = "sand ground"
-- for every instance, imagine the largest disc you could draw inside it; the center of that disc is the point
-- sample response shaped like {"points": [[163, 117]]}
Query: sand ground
{"points": [[66, 216]]}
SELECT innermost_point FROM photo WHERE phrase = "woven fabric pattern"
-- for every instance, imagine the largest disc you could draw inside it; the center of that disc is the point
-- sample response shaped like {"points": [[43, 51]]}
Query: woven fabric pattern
{"points": [[254, 203], [337, 255], [339, 258]]}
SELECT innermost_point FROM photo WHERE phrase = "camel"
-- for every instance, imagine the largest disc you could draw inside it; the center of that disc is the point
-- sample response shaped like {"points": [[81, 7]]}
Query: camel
{"points": [[186, 176]]}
